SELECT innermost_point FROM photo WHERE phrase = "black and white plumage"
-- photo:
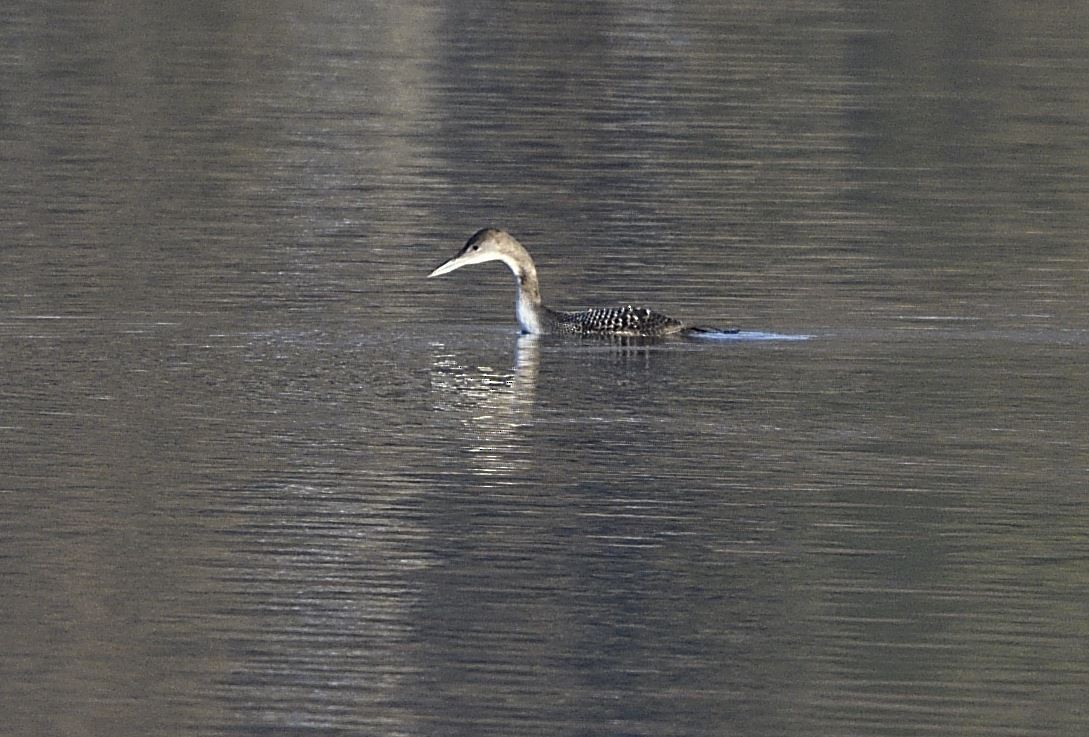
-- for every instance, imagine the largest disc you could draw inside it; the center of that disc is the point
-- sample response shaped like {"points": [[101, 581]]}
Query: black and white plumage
{"points": [[490, 244], [623, 321]]}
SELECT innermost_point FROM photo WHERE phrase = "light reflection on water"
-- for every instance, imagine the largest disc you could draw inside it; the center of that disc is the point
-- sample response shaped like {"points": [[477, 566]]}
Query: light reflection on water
{"points": [[261, 477], [493, 404]]}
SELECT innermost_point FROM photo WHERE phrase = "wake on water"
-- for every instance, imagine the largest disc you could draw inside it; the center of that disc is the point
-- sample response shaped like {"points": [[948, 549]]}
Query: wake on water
{"points": [[742, 335]]}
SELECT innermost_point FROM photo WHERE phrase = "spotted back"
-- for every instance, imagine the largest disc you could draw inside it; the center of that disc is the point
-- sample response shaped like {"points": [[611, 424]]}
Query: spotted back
{"points": [[626, 320]]}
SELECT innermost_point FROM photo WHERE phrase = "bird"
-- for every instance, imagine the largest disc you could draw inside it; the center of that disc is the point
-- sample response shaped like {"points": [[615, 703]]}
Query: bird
{"points": [[491, 244]]}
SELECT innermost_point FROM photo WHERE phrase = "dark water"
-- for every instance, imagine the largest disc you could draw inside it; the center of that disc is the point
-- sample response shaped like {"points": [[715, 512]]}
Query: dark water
{"points": [[257, 476]]}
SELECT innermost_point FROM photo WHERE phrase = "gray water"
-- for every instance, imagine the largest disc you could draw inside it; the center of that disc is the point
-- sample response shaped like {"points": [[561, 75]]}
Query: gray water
{"points": [[258, 476]]}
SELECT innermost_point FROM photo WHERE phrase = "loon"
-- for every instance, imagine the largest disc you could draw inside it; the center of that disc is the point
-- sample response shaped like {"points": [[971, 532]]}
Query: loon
{"points": [[490, 244]]}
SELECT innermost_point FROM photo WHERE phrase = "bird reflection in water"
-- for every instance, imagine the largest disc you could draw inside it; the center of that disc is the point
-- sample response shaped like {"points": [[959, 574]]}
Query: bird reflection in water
{"points": [[493, 406]]}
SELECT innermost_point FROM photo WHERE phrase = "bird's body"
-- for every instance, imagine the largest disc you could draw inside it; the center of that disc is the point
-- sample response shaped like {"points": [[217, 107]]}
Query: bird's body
{"points": [[534, 317], [622, 321]]}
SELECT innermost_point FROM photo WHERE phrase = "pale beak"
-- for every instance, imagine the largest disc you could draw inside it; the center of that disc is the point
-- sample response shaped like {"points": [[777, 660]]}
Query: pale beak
{"points": [[447, 267]]}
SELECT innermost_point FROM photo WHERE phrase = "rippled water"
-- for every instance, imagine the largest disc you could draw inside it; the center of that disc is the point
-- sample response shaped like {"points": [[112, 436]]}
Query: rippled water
{"points": [[261, 477]]}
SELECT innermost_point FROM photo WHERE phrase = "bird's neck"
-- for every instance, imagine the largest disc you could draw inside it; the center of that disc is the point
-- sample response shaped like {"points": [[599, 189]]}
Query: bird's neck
{"points": [[528, 305], [532, 316]]}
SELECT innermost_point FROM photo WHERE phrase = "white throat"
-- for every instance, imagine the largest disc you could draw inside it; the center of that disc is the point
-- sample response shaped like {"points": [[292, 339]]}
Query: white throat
{"points": [[528, 314]]}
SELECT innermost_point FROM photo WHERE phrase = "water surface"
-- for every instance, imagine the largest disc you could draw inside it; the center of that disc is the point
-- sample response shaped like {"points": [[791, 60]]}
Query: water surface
{"points": [[261, 477]]}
